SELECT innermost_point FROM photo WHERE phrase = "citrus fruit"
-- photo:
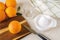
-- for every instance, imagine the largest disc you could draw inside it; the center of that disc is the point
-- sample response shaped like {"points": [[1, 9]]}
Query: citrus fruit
{"points": [[2, 6], [14, 27], [2, 15], [11, 3], [11, 12]]}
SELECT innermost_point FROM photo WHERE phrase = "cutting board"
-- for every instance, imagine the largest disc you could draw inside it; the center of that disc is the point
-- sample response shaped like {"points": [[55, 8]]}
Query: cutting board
{"points": [[9, 36]]}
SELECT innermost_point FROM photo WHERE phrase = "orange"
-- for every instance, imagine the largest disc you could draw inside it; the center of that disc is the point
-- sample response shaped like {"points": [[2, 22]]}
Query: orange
{"points": [[11, 12], [2, 6], [11, 3], [2, 15], [14, 27]]}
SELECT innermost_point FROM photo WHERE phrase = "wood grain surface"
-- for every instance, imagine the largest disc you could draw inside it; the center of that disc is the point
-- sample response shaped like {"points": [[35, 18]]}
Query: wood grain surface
{"points": [[9, 36]]}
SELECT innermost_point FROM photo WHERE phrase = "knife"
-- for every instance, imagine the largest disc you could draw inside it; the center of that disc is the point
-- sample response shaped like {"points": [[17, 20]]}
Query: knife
{"points": [[43, 37]]}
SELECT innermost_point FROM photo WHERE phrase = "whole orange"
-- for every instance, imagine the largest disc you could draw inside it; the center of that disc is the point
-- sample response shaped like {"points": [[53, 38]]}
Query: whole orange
{"points": [[14, 27], [2, 6], [2, 15], [11, 3], [11, 12]]}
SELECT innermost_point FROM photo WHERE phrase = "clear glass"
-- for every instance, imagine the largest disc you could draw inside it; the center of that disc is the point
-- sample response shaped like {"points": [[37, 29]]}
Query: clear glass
{"points": [[30, 11], [49, 7]]}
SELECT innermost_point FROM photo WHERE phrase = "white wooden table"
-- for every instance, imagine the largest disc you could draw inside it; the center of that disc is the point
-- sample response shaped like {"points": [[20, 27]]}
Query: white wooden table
{"points": [[54, 33]]}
